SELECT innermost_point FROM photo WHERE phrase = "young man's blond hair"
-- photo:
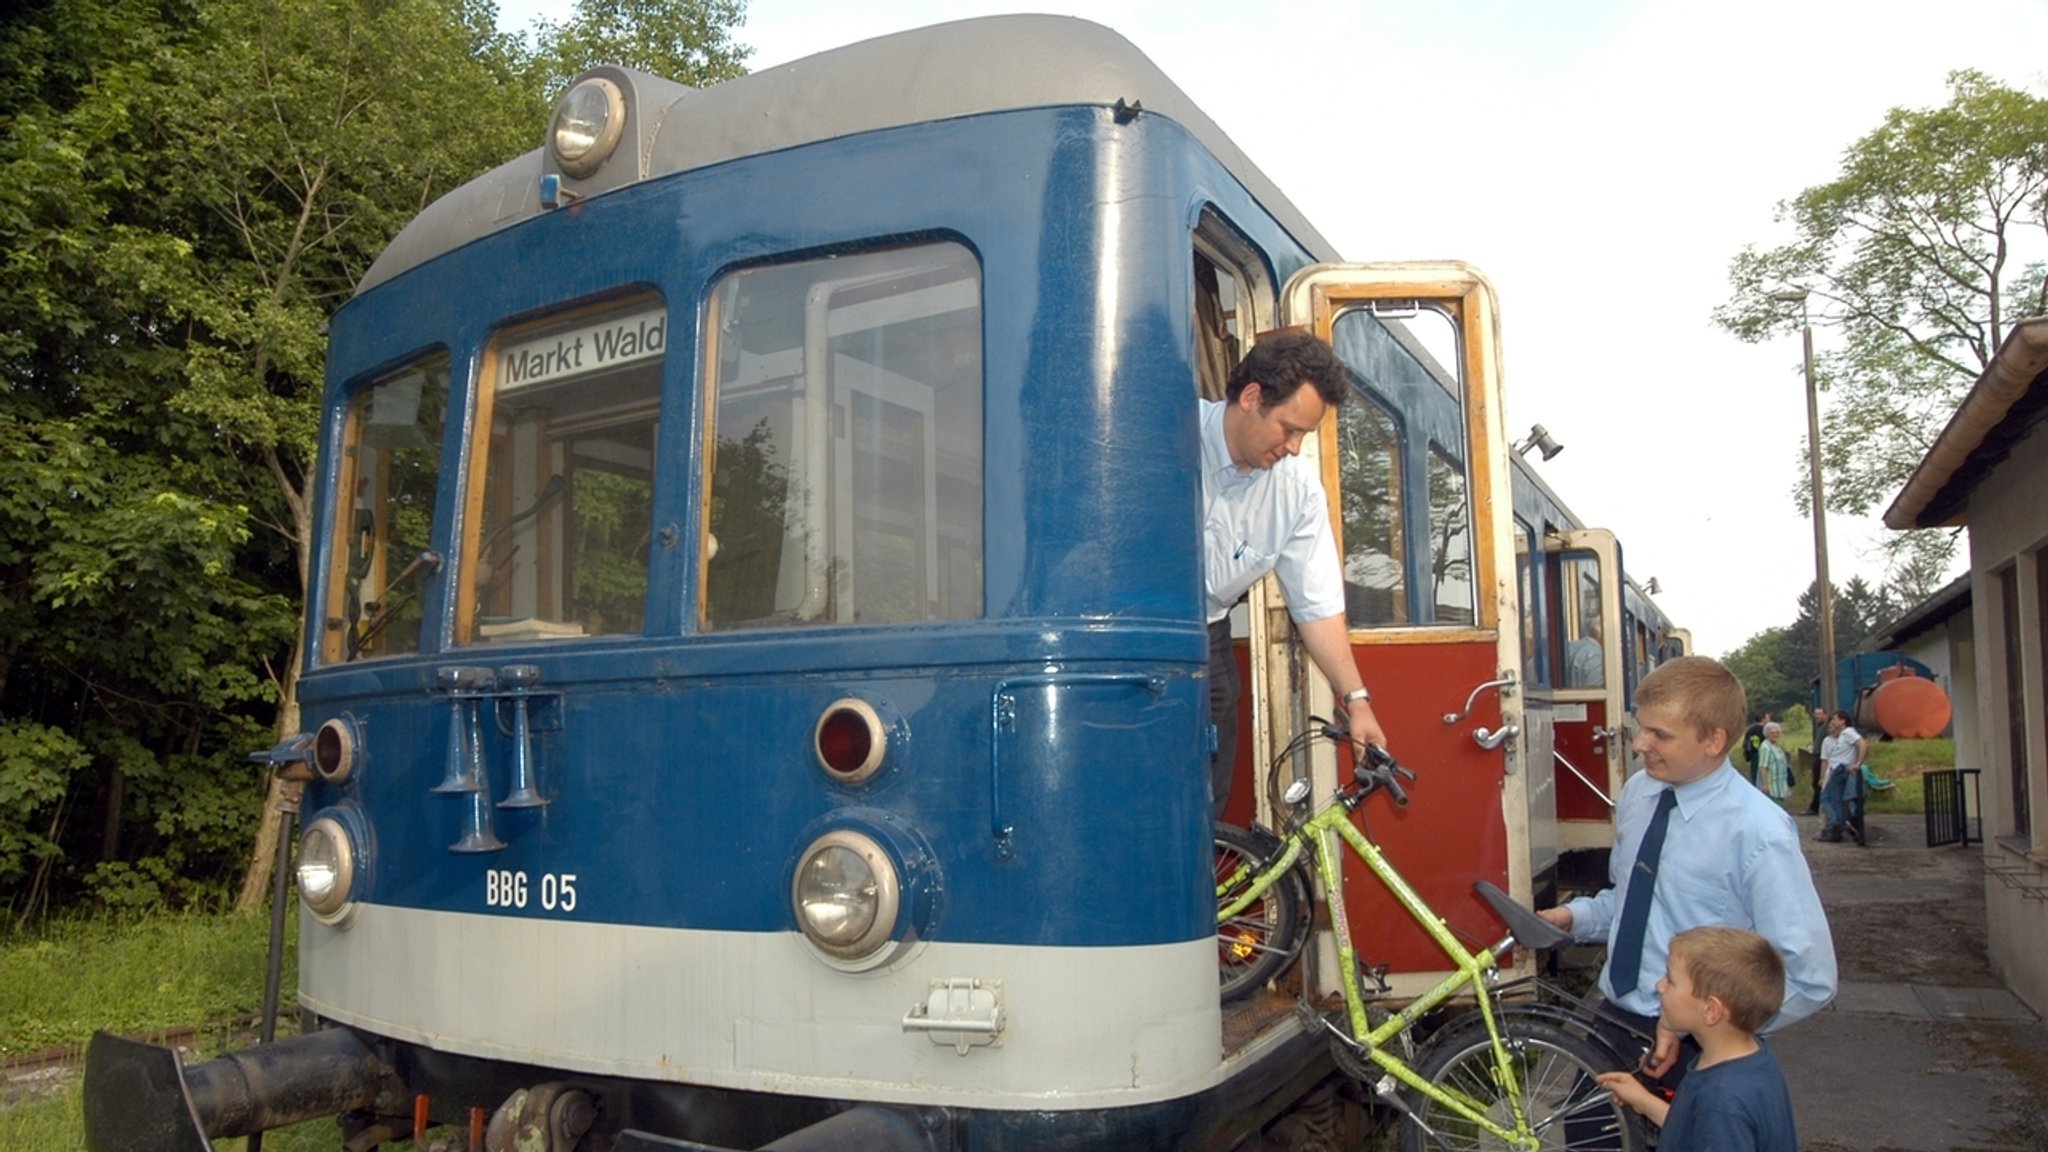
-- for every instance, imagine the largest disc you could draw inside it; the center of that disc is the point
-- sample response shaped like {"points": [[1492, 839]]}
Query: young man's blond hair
{"points": [[1705, 694]]}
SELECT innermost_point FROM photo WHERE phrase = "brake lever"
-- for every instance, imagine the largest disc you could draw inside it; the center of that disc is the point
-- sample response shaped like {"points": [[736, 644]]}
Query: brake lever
{"points": [[1389, 771]]}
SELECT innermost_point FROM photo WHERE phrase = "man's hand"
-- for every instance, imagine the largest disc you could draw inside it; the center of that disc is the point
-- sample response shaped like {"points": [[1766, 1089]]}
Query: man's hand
{"points": [[1665, 1054], [1365, 727], [1558, 917]]}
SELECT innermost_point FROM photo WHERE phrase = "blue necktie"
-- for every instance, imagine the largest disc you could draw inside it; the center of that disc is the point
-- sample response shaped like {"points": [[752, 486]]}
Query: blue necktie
{"points": [[1625, 955]]}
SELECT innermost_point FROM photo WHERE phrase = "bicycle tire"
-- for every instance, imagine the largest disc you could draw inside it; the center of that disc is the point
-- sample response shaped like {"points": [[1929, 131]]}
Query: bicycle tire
{"points": [[1262, 941], [1555, 1068]]}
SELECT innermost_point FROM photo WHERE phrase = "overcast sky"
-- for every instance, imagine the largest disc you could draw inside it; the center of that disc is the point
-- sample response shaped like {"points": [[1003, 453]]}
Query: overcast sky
{"points": [[1601, 161]]}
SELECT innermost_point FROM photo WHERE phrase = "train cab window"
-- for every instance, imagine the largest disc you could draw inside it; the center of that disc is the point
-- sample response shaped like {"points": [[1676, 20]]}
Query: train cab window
{"points": [[1580, 624], [1406, 509], [565, 451], [844, 452], [390, 468]]}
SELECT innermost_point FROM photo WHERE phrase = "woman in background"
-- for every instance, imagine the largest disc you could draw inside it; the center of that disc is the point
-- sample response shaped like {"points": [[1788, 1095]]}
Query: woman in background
{"points": [[1774, 771]]}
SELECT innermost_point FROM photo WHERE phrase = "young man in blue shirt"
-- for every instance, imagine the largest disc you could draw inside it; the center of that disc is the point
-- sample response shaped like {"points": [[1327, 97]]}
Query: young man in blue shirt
{"points": [[1727, 855]]}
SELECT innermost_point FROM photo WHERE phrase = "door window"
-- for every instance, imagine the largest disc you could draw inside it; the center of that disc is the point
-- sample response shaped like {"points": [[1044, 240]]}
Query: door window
{"points": [[1406, 493], [1580, 623]]}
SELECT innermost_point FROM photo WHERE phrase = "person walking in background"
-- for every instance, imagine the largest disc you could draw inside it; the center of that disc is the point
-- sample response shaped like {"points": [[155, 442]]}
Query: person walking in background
{"points": [[1752, 740], [1696, 845], [1722, 984], [1842, 753], [1774, 772], [1816, 764]]}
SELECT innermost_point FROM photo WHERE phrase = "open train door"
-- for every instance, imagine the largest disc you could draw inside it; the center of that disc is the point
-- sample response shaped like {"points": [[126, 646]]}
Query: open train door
{"points": [[1590, 709], [1416, 469]]}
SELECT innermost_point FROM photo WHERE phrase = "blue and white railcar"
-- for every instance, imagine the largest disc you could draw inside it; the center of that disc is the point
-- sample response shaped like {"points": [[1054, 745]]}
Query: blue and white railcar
{"points": [[757, 656], [756, 680]]}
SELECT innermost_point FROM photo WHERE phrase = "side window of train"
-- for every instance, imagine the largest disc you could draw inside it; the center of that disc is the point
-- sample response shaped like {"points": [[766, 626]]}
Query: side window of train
{"points": [[390, 468], [1406, 512], [844, 445], [1528, 563], [562, 476], [1578, 589], [1218, 325]]}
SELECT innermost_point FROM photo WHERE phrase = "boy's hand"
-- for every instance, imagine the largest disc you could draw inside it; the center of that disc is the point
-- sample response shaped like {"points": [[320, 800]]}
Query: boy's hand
{"points": [[1558, 917], [1635, 1094]]}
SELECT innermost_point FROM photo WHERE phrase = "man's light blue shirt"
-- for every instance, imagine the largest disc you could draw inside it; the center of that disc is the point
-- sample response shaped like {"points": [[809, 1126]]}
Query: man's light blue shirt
{"points": [[1265, 520], [1731, 856]]}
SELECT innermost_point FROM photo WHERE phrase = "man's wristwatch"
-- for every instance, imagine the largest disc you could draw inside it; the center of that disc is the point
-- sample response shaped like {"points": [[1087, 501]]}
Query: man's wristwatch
{"points": [[1355, 695]]}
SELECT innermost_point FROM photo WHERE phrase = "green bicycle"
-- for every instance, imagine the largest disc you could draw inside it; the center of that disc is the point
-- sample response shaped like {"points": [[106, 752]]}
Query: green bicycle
{"points": [[1514, 1072]]}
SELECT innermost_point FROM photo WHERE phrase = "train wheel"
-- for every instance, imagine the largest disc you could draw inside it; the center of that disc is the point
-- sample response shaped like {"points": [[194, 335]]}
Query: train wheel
{"points": [[1259, 943], [1555, 1068]]}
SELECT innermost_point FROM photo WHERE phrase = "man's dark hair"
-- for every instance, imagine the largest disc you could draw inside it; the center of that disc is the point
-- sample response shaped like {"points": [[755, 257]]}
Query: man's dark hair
{"points": [[1285, 359]]}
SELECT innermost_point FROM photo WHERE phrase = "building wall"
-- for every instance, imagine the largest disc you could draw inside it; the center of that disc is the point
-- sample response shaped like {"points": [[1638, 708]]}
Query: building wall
{"points": [[2009, 594]]}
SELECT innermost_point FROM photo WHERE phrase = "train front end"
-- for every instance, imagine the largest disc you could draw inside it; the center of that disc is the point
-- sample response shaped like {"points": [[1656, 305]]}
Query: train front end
{"points": [[755, 680]]}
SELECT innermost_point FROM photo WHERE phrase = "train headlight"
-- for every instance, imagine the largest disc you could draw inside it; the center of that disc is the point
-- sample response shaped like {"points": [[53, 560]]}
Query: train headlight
{"points": [[588, 123], [847, 895], [327, 869]]}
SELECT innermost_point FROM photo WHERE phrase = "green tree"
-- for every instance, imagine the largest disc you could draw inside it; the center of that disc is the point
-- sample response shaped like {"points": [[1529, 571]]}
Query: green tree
{"points": [[309, 133], [134, 621], [688, 41], [1860, 611], [1770, 672], [1909, 253], [187, 191]]}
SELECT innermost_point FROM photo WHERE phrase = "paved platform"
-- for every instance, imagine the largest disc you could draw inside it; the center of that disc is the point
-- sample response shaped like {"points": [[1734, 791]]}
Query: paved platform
{"points": [[1924, 1048]]}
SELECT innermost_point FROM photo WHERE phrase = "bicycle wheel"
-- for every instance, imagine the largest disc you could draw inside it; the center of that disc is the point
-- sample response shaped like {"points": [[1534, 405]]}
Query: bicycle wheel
{"points": [[1259, 943], [1555, 1068]]}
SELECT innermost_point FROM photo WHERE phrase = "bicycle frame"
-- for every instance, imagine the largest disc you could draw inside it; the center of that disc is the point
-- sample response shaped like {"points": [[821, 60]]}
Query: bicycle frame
{"points": [[1470, 968]]}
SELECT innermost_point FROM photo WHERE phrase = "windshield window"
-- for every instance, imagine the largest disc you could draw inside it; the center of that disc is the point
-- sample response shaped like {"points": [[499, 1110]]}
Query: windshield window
{"points": [[846, 439]]}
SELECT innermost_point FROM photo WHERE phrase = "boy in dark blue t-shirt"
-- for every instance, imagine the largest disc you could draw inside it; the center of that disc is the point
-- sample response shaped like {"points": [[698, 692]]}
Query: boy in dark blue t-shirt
{"points": [[1720, 986]]}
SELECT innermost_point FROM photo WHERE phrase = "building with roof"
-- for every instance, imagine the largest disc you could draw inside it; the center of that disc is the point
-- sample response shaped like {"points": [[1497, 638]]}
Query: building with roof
{"points": [[1986, 473]]}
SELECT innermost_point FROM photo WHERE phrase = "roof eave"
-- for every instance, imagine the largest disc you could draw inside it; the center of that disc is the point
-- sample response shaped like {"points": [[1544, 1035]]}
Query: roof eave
{"points": [[2020, 361]]}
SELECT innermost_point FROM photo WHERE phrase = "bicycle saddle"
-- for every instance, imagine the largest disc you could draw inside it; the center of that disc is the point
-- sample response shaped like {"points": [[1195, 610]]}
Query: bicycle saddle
{"points": [[1529, 929]]}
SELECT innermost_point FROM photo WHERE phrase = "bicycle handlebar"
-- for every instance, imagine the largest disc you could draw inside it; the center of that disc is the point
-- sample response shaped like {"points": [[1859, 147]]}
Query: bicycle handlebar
{"points": [[1375, 766]]}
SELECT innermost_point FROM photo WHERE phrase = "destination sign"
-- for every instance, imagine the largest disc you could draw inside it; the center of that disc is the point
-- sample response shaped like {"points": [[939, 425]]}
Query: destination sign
{"points": [[597, 347]]}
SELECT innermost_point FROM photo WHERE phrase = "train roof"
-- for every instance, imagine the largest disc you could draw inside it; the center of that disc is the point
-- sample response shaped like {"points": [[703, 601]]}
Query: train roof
{"points": [[944, 72]]}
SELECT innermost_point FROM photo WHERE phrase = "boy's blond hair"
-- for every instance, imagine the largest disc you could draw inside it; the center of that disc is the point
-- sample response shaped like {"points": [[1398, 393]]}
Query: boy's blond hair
{"points": [[1737, 967], [1704, 693]]}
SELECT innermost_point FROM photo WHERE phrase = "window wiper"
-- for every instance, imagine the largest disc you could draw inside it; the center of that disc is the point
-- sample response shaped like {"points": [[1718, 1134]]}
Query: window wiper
{"points": [[428, 561]]}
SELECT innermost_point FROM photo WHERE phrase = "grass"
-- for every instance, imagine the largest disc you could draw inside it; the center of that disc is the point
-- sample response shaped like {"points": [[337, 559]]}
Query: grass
{"points": [[137, 976], [55, 1123]]}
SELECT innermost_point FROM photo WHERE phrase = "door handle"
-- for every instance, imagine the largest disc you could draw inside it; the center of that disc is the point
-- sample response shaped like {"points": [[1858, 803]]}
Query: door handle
{"points": [[1506, 684], [1492, 739]]}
